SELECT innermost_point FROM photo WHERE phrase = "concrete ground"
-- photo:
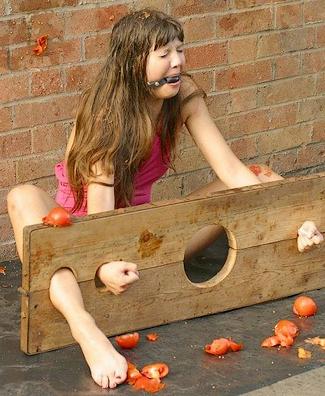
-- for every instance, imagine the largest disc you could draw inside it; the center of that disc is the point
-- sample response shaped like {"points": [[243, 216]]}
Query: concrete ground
{"points": [[253, 371]]}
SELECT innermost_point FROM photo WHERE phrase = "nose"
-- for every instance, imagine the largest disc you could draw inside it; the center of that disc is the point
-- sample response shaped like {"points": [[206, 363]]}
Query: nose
{"points": [[177, 59]]}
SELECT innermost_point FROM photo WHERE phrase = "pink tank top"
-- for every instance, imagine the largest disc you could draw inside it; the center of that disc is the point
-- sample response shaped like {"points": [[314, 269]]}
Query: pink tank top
{"points": [[149, 172]]}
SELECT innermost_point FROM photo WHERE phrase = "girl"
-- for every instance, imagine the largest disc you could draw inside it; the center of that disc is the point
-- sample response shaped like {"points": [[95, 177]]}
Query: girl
{"points": [[124, 139]]}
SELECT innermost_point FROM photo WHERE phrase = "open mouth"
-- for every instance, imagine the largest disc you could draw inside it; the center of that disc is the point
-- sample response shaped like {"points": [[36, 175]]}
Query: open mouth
{"points": [[165, 80]]}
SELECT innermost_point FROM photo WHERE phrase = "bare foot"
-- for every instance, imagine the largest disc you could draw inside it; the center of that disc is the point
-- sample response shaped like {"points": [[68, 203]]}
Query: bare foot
{"points": [[308, 236], [108, 368]]}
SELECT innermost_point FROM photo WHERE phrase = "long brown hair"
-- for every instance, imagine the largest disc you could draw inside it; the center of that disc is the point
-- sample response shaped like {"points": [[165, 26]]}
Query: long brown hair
{"points": [[113, 125]]}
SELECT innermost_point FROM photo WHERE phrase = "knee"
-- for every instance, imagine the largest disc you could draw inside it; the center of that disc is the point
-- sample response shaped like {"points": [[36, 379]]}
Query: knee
{"points": [[18, 196]]}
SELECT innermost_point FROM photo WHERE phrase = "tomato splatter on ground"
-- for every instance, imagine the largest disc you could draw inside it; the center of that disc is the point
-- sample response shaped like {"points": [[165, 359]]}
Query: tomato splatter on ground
{"points": [[152, 337], [2, 270], [149, 379], [256, 169]]}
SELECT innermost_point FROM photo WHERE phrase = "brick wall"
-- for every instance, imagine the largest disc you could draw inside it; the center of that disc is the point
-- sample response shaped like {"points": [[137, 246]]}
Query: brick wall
{"points": [[260, 61]]}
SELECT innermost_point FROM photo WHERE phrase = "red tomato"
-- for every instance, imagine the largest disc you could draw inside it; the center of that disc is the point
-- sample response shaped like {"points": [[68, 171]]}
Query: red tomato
{"points": [[286, 328], [155, 370], [149, 385], [234, 346], [133, 373], [128, 341], [271, 342], [256, 169], [304, 306], [152, 337], [57, 217], [219, 346]]}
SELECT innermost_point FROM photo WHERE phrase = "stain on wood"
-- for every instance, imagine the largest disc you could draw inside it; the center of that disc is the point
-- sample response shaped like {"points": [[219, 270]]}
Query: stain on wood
{"points": [[148, 243]]}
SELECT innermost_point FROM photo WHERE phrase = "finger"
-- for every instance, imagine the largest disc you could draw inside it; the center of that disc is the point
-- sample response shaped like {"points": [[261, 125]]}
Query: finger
{"points": [[130, 277]]}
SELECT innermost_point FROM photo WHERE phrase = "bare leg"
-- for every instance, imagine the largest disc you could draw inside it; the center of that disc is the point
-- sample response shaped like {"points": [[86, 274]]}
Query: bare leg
{"points": [[207, 235], [27, 205]]}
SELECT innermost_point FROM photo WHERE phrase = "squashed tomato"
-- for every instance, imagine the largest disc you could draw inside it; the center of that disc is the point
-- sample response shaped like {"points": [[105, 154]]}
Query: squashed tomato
{"points": [[256, 169], [133, 373], [304, 306], [152, 337], [234, 346], [219, 346], [128, 341], [57, 217], [271, 342], [155, 370], [148, 384], [286, 328]]}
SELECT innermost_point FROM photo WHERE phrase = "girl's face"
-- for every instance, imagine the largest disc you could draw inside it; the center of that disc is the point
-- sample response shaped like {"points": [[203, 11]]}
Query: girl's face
{"points": [[164, 62]]}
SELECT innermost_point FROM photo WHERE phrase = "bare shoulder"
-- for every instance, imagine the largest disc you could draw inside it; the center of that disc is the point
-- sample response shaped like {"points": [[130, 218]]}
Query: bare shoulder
{"points": [[192, 97]]}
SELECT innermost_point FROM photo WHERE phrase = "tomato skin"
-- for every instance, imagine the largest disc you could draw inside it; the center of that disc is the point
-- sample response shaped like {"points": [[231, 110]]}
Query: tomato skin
{"points": [[155, 370], [271, 342], [304, 306], [57, 217], [234, 346], [133, 373], [218, 347], [286, 328], [128, 341]]}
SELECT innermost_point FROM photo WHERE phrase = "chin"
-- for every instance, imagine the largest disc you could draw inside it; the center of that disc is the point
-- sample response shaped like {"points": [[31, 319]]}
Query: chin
{"points": [[167, 92]]}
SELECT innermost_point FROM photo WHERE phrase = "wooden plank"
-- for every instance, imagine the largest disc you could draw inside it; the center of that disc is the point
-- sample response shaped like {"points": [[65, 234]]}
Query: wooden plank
{"points": [[250, 216], [261, 223], [164, 294]]}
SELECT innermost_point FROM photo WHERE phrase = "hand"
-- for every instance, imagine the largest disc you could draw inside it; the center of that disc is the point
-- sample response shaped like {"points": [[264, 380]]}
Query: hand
{"points": [[308, 236], [117, 276]]}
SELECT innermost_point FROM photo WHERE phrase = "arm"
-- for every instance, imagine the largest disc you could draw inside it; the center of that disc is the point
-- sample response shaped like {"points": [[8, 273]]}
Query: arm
{"points": [[213, 146]]}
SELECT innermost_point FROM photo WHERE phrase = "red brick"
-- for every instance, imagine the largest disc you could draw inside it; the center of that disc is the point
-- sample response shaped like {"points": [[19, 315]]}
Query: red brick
{"points": [[48, 184], [320, 36], [40, 113], [283, 139], [287, 41], [288, 16], [82, 76], [248, 123], [250, 3], [199, 28], [13, 31], [49, 137], [283, 115], [313, 62], [243, 100], [13, 87], [287, 66], [140, 4], [15, 145], [218, 104], [36, 167], [90, 20], [6, 230], [46, 82], [244, 147], [284, 162], [243, 49], [311, 109], [4, 67], [3, 201], [50, 24], [251, 21], [97, 46], [6, 119], [58, 52], [31, 5], [206, 55], [244, 75], [197, 179], [320, 83], [204, 80], [313, 154], [314, 11], [191, 7], [7, 172], [286, 90], [318, 130]]}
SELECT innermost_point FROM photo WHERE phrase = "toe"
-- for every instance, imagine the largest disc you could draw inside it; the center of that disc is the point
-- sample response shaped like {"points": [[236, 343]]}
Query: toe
{"points": [[105, 381], [97, 378]]}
